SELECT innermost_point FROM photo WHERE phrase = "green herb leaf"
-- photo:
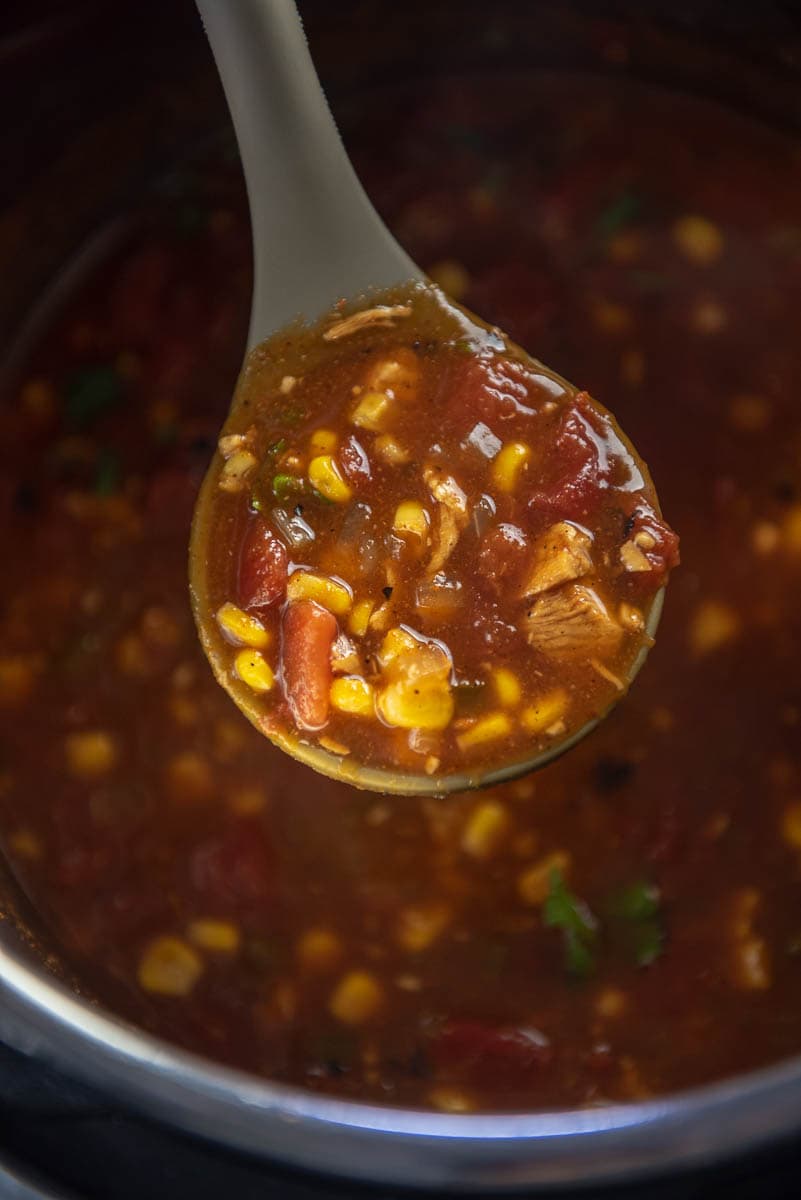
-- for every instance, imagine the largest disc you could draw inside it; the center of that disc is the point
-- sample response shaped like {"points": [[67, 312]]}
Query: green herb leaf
{"points": [[277, 448], [619, 213], [562, 910], [92, 392], [637, 920], [107, 473], [286, 485]]}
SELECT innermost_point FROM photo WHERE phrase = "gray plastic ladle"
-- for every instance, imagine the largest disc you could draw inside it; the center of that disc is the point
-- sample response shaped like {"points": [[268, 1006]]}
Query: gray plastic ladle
{"points": [[316, 238]]}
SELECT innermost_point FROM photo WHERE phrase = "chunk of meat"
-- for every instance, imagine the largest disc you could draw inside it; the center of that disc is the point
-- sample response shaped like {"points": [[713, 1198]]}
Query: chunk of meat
{"points": [[570, 622], [561, 554], [308, 634], [471, 1051], [450, 517], [262, 567]]}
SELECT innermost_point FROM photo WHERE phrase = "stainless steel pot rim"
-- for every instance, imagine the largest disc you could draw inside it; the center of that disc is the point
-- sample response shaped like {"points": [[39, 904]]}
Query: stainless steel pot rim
{"points": [[41, 1016]]}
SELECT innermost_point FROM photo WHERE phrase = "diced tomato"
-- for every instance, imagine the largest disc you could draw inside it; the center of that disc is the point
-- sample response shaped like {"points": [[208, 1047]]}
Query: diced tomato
{"points": [[262, 567], [473, 1051], [354, 461], [501, 556], [576, 466], [491, 390], [663, 555], [308, 634], [235, 867]]}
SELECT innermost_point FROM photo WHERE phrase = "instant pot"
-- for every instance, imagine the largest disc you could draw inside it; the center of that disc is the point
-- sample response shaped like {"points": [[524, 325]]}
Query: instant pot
{"points": [[100, 100]]}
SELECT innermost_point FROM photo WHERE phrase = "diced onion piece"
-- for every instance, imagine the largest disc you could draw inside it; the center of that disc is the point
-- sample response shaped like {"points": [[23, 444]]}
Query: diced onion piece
{"points": [[390, 450], [297, 533], [241, 628], [322, 441], [438, 597], [353, 695], [486, 729], [330, 593], [325, 475], [506, 468], [237, 470], [254, 671], [412, 518], [507, 687], [545, 712]]}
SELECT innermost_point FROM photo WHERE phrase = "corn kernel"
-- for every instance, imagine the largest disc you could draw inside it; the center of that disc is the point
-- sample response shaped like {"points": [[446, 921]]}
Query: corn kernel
{"points": [[18, 674], [356, 999], [183, 710], [545, 712], [169, 967], [189, 777], [254, 670], [534, 883], [360, 617], [354, 695], [236, 471], [319, 950], [791, 529], [451, 276], [451, 1099], [247, 800], [325, 475], [507, 687], [220, 936], [713, 624], [90, 754], [411, 517], [610, 317], [420, 926], [417, 704], [486, 729], [791, 825], [24, 843], [611, 1002], [396, 641], [306, 585], [241, 628], [390, 450], [485, 830], [698, 239], [39, 399], [322, 441], [508, 464]]}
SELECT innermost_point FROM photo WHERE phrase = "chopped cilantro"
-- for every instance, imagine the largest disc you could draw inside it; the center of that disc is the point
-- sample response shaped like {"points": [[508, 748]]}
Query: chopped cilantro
{"points": [[107, 473], [92, 392], [562, 910], [635, 912], [617, 214], [285, 485], [276, 448]]}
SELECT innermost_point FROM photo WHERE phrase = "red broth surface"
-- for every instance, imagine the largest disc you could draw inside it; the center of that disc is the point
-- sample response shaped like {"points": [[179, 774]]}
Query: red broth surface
{"points": [[625, 923]]}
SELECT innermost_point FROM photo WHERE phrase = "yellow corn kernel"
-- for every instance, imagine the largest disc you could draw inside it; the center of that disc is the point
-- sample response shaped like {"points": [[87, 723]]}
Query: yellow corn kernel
{"points": [[241, 628], [421, 925], [357, 998], [360, 617], [18, 674], [411, 517], [169, 967], [371, 410], [507, 687], [485, 830], [713, 624], [544, 712], [508, 464], [319, 950], [220, 936], [451, 1100], [236, 471], [24, 843], [390, 450], [698, 239], [611, 1002], [254, 670], [791, 825], [354, 695], [325, 475], [306, 585], [486, 729], [396, 641], [425, 703], [322, 441], [534, 883], [189, 777], [247, 800], [90, 754]]}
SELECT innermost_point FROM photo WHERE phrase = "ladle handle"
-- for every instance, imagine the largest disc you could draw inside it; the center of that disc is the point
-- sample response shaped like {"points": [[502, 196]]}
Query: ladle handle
{"points": [[316, 236]]}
